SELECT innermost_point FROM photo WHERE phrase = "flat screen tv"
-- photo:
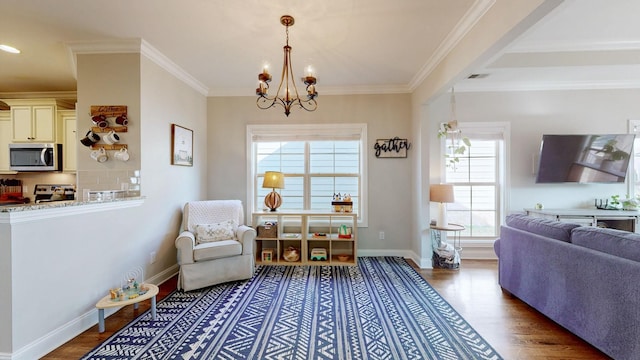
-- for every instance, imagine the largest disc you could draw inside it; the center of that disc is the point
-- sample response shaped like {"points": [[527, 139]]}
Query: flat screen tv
{"points": [[584, 158]]}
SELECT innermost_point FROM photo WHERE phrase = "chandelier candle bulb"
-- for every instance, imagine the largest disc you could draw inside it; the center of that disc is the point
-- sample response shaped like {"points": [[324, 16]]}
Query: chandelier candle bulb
{"points": [[309, 72], [261, 90]]}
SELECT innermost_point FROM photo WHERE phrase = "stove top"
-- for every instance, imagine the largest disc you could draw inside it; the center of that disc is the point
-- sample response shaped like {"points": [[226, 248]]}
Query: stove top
{"points": [[54, 192]]}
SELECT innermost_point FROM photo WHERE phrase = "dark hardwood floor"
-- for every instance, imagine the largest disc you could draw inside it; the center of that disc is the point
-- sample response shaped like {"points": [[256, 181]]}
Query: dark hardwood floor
{"points": [[513, 328]]}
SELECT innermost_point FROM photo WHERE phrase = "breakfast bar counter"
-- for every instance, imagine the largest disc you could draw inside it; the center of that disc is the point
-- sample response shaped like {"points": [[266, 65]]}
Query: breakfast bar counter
{"points": [[63, 204], [67, 248]]}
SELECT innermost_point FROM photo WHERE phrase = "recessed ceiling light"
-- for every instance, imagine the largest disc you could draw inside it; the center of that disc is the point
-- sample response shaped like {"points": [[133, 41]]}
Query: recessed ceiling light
{"points": [[9, 49]]}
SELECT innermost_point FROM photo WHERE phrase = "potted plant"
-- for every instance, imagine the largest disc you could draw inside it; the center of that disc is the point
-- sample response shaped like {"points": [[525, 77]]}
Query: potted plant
{"points": [[455, 144], [625, 204]]}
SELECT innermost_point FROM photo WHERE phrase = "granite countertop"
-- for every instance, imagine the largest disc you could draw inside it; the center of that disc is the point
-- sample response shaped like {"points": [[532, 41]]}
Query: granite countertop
{"points": [[57, 204]]}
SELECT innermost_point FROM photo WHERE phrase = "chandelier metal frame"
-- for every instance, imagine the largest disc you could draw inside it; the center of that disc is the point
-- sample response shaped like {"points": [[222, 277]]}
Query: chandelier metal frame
{"points": [[287, 99]]}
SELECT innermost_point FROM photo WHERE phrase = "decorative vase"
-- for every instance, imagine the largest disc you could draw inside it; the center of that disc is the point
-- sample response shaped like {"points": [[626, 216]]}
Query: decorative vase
{"points": [[291, 254]]}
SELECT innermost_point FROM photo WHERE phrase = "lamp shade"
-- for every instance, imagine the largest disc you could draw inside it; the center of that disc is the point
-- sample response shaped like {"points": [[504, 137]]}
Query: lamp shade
{"points": [[273, 180], [442, 193]]}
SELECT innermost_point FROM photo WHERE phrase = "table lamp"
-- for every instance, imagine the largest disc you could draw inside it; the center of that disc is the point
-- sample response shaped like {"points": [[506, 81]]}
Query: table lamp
{"points": [[442, 193], [273, 180]]}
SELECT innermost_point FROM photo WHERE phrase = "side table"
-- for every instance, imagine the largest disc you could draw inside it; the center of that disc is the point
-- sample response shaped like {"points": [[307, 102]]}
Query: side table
{"points": [[446, 255], [456, 229], [106, 302]]}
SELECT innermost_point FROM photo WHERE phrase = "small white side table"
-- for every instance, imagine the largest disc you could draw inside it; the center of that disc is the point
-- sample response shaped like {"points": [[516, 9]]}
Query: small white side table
{"points": [[443, 256], [456, 229], [106, 302]]}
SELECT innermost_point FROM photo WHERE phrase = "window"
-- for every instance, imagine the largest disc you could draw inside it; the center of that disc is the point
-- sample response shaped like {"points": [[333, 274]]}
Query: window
{"points": [[479, 181], [317, 161], [634, 165]]}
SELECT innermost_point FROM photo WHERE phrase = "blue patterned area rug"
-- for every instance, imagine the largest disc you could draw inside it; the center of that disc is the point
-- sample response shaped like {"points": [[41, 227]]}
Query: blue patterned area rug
{"points": [[380, 309]]}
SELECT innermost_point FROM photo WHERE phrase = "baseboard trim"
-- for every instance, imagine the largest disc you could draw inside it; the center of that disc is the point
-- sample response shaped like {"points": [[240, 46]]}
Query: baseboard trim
{"points": [[75, 327], [478, 253]]}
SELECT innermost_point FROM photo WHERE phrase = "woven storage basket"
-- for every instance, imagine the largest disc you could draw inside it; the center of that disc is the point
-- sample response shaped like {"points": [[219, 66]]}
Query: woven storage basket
{"points": [[268, 231]]}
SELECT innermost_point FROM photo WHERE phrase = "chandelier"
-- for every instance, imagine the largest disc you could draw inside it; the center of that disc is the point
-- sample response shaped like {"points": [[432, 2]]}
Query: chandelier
{"points": [[287, 85]]}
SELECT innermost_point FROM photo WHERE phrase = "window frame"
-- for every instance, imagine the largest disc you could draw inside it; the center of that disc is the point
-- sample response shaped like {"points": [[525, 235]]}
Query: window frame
{"points": [[308, 132], [633, 182], [491, 129]]}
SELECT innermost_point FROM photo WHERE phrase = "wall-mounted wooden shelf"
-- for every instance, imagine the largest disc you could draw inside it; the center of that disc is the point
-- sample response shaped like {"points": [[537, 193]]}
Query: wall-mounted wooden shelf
{"points": [[117, 129], [109, 147]]}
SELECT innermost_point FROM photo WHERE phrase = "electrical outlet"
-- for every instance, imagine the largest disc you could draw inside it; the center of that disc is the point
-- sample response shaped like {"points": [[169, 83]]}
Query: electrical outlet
{"points": [[152, 257], [381, 235]]}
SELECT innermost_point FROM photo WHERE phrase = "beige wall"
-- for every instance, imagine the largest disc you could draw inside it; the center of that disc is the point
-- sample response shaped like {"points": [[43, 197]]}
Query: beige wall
{"points": [[73, 260], [108, 79], [389, 180], [167, 100]]}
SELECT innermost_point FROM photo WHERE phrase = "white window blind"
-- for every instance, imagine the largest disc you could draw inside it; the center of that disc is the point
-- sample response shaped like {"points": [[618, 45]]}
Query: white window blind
{"points": [[318, 161]]}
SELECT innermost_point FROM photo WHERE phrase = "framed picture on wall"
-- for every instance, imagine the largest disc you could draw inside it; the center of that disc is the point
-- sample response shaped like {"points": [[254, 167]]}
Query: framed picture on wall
{"points": [[181, 146]]}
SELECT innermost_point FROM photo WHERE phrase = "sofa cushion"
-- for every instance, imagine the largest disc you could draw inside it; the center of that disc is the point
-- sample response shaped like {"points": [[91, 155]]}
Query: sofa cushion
{"points": [[549, 228], [620, 243], [216, 250], [215, 232]]}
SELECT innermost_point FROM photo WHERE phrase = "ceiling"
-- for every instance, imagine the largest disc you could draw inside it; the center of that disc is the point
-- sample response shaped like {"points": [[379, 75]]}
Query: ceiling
{"points": [[381, 47], [582, 44]]}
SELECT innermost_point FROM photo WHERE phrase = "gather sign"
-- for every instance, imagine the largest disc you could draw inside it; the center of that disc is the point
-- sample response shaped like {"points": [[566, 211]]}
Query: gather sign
{"points": [[391, 148]]}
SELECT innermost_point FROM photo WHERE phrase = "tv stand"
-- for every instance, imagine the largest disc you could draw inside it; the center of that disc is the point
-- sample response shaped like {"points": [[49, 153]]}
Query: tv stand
{"points": [[616, 219]]}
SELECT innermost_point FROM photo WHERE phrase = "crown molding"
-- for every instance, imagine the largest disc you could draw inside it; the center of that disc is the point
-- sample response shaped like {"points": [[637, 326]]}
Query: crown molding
{"points": [[547, 86], [544, 47], [466, 23], [70, 95], [124, 46], [164, 62]]}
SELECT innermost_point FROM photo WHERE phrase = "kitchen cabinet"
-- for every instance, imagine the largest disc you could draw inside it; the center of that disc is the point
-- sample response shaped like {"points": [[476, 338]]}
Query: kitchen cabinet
{"points": [[67, 122], [33, 123], [5, 139], [34, 120], [316, 236]]}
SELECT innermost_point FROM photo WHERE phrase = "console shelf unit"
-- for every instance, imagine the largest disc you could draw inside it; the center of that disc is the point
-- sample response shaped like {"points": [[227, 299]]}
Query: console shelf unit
{"points": [[301, 230], [616, 219]]}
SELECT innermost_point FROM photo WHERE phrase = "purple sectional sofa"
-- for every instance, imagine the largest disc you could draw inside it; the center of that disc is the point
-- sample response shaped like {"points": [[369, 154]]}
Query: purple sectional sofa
{"points": [[586, 279]]}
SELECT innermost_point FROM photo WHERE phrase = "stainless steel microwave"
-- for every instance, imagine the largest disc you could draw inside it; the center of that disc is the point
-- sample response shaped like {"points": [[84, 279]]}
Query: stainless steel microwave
{"points": [[35, 157]]}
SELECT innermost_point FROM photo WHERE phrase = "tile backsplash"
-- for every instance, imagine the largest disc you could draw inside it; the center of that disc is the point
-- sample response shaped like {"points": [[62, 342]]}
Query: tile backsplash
{"points": [[31, 179], [115, 180]]}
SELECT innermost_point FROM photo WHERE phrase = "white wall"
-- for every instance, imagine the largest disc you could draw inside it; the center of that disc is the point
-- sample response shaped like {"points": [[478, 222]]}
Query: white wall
{"points": [[534, 113], [389, 180], [501, 24], [6, 318]]}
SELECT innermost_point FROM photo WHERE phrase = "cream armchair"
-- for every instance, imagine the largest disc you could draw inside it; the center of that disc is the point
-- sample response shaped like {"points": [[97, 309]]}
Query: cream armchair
{"points": [[214, 245]]}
